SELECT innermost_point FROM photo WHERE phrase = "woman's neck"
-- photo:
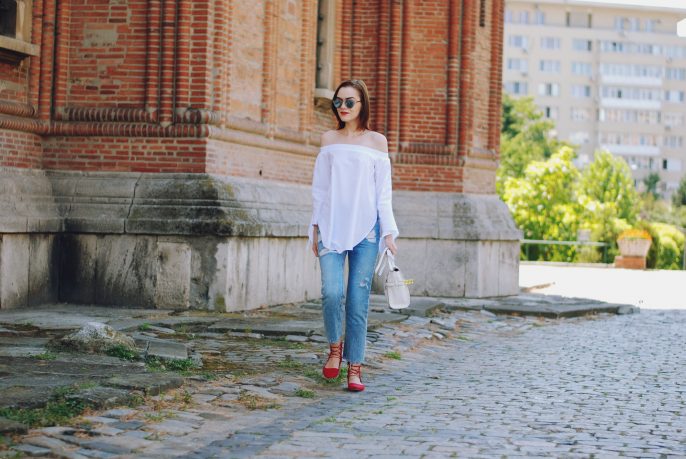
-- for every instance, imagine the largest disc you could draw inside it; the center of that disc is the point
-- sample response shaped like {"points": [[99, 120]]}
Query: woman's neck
{"points": [[352, 129]]}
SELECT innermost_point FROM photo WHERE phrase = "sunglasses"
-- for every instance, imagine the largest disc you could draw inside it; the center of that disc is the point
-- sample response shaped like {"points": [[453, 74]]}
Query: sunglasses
{"points": [[349, 102]]}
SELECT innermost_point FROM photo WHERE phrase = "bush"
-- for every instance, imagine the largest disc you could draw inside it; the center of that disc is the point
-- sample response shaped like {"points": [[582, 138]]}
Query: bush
{"points": [[667, 249]]}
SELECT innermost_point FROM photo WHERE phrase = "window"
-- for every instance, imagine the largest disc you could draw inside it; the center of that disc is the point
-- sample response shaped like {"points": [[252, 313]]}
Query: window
{"points": [[579, 19], [581, 91], [549, 89], [518, 88], [631, 70], [550, 112], [674, 96], [673, 141], [613, 92], [582, 45], [539, 18], [675, 74], [325, 45], [579, 138], [509, 16], [15, 31], [549, 66], [580, 114], [518, 64], [673, 119], [649, 25], [671, 165], [550, 43], [582, 68], [523, 17], [518, 41], [630, 116]]}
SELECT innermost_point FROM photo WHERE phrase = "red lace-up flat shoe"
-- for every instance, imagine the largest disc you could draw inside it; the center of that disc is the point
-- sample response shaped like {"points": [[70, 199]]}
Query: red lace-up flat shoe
{"points": [[355, 370], [335, 350]]}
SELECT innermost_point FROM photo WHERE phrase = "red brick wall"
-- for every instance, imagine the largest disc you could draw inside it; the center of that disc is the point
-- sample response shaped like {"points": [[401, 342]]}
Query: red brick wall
{"points": [[125, 154], [162, 86], [20, 149]]}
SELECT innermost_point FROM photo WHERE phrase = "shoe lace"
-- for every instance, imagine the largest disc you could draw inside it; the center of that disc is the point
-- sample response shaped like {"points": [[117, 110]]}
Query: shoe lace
{"points": [[335, 351], [355, 370]]}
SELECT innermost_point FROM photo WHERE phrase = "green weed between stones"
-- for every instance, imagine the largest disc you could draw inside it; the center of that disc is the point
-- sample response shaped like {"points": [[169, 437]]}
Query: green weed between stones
{"points": [[45, 356], [305, 393], [58, 410], [393, 355], [144, 327], [315, 373], [255, 402], [289, 363], [123, 352], [184, 366]]}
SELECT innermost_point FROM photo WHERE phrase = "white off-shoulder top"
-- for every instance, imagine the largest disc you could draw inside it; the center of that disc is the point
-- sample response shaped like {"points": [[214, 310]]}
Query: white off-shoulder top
{"points": [[351, 189]]}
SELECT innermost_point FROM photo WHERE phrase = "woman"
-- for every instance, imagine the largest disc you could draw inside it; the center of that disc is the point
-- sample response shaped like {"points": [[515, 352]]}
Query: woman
{"points": [[352, 216]]}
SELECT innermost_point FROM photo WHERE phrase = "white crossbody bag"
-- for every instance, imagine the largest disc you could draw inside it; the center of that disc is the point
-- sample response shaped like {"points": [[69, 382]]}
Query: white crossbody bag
{"points": [[395, 285]]}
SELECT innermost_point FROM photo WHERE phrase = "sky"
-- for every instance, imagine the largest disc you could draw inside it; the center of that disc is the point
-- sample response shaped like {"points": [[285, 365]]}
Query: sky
{"points": [[652, 3]]}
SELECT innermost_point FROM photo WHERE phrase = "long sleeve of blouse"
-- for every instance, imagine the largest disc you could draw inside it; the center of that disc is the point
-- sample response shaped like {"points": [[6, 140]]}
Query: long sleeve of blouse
{"points": [[351, 191]]}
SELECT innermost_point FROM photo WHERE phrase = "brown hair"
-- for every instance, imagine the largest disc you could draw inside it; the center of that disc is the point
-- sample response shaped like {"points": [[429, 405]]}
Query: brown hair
{"points": [[364, 100]]}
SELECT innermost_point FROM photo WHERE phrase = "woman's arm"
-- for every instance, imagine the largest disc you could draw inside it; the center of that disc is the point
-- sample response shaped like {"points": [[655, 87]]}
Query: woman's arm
{"points": [[384, 202]]}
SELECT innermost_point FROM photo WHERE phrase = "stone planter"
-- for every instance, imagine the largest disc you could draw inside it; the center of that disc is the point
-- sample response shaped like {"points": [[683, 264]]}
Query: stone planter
{"points": [[634, 247]]}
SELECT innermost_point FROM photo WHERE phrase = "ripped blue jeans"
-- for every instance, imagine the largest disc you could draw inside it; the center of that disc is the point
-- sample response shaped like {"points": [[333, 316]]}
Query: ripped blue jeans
{"points": [[361, 260]]}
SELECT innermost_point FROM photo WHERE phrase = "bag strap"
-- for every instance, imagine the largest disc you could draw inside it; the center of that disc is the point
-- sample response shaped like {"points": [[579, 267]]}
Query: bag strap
{"points": [[388, 257]]}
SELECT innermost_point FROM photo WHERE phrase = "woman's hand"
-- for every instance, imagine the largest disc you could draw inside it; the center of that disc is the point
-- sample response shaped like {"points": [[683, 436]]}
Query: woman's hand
{"points": [[315, 243], [390, 244]]}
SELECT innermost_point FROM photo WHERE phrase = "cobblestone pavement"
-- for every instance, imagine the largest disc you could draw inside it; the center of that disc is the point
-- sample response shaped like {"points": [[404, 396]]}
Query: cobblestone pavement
{"points": [[468, 384]]}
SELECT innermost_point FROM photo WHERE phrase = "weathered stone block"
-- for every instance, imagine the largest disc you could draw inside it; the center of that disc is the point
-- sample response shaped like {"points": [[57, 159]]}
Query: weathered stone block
{"points": [[77, 268], [14, 270], [43, 269], [172, 289], [125, 270]]}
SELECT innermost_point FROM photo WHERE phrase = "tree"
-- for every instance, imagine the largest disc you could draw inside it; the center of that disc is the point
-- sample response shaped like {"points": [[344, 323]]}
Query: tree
{"points": [[651, 181], [679, 197], [525, 137], [608, 180], [544, 204]]}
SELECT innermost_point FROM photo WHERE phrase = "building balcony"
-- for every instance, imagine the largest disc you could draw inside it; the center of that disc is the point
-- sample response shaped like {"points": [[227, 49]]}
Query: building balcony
{"points": [[607, 102], [632, 150], [631, 80]]}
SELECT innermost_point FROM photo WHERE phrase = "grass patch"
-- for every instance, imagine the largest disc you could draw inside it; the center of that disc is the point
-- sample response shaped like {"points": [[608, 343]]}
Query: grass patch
{"points": [[315, 373], [463, 338], [57, 411], [291, 364], [255, 402], [185, 366], [329, 420], [395, 355], [144, 327], [123, 352], [45, 356], [305, 393], [159, 416], [391, 398]]}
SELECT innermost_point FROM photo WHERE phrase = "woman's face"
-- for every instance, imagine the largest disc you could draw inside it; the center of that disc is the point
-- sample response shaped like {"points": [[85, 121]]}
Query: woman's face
{"points": [[347, 94]]}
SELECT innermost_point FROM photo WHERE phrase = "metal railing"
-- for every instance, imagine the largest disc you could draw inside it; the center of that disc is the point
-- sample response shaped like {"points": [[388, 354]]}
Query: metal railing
{"points": [[526, 243]]}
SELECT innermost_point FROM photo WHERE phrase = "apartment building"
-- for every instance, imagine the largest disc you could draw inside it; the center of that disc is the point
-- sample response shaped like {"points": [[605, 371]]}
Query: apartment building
{"points": [[609, 76]]}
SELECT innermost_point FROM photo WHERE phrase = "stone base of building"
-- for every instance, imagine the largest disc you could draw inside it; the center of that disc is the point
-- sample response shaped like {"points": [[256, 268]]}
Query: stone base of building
{"points": [[630, 262], [178, 241]]}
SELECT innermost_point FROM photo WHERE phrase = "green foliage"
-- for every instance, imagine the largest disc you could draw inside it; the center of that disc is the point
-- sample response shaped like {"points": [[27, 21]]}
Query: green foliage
{"points": [[179, 365], [667, 249], [45, 356], [651, 181], [525, 137], [58, 410], [393, 355], [304, 393], [123, 352], [608, 180], [544, 205], [679, 196]]}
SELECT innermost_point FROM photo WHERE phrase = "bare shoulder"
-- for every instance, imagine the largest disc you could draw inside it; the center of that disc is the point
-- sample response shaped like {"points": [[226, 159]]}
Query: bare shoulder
{"points": [[378, 141], [328, 137]]}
